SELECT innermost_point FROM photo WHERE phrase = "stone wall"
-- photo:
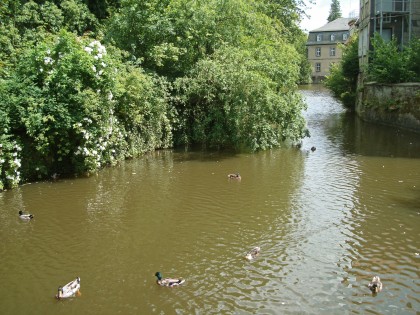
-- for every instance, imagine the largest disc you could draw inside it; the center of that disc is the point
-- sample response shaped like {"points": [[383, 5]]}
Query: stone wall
{"points": [[395, 105]]}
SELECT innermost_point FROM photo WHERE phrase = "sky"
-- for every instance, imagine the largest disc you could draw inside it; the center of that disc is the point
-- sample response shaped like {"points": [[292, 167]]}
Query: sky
{"points": [[318, 12]]}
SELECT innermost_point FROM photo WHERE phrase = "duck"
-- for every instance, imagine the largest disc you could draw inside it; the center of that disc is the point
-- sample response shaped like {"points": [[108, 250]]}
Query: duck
{"points": [[71, 289], [253, 253], [234, 176], [24, 216], [376, 285], [168, 282], [313, 149]]}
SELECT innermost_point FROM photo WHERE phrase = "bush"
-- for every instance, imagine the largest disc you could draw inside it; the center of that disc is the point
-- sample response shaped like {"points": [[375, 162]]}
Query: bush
{"points": [[387, 64], [71, 106], [342, 80], [231, 99]]}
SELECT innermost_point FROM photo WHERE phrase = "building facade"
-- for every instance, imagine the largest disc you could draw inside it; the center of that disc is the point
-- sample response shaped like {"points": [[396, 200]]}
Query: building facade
{"points": [[323, 46], [399, 19]]}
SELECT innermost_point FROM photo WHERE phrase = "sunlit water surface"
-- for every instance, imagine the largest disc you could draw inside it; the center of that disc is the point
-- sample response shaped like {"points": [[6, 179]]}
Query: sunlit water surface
{"points": [[326, 222]]}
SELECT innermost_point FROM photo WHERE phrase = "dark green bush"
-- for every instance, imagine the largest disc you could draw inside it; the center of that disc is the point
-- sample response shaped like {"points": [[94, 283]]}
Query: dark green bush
{"points": [[388, 64]]}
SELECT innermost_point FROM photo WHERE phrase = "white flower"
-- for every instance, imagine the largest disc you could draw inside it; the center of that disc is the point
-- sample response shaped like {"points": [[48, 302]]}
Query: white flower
{"points": [[94, 68], [99, 55], [96, 57], [48, 60], [100, 72], [48, 52], [41, 70], [110, 96], [17, 162], [37, 169], [103, 64], [101, 49], [88, 49]]}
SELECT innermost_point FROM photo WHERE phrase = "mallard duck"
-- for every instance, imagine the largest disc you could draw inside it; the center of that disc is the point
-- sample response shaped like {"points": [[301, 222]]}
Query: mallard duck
{"points": [[313, 149], [234, 176], [253, 253], [25, 216], [69, 290], [168, 282], [376, 285]]}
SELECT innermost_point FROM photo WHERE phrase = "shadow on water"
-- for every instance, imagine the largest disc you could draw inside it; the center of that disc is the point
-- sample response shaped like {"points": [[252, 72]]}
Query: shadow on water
{"points": [[364, 138]]}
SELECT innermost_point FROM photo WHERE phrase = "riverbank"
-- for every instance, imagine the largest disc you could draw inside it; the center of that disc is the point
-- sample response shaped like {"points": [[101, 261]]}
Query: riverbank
{"points": [[396, 105]]}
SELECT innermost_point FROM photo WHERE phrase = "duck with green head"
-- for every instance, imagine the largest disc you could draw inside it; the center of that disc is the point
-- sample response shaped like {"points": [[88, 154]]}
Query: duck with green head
{"points": [[168, 282], [26, 216]]}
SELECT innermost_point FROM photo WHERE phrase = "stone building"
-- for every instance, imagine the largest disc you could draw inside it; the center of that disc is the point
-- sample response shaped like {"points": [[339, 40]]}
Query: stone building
{"points": [[323, 46]]}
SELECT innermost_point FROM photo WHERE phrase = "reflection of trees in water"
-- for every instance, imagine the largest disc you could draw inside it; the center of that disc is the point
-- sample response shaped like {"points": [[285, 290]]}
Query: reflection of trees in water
{"points": [[131, 184], [355, 136]]}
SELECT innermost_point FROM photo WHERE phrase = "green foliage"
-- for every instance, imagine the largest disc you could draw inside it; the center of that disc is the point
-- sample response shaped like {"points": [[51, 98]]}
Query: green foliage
{"points": [[102, 9], [335, 11], [305, 65], [387, 64], [169, 37], [24, 23], [342, 80], [184, 40], [233, 99], [67, 105], [221, 73], [413, 59]]}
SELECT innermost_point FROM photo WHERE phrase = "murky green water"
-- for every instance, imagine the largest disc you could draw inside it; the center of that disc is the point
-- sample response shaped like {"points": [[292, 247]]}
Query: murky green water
{"points": [[326, 221]]}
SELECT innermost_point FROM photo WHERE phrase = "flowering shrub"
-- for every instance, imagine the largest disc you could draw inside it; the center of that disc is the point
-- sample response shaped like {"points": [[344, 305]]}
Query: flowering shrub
{"points": [[10, 162], [66, 104]]}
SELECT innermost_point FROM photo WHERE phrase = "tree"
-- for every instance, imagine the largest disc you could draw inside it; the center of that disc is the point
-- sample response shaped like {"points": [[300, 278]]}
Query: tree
{"points": [[233, 63], [335, 11], [342, 80]]}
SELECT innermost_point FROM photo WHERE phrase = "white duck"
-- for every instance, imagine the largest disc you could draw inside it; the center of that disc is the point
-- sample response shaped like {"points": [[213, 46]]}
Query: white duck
{"points": [[71, 289]]}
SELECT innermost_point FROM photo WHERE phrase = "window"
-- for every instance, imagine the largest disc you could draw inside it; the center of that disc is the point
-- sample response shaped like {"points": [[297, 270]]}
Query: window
{"points": [[332, 37], [318, 52], [332, 51], [318, 37], [345, 36], [318, 67]]}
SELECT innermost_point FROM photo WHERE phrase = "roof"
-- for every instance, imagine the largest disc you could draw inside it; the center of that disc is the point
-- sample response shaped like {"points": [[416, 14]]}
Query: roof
{"points": [[340, 24]]}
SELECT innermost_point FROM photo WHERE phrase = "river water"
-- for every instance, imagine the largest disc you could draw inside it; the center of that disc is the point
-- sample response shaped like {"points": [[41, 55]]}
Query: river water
{"points": [[326, 221]]}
